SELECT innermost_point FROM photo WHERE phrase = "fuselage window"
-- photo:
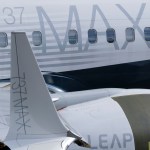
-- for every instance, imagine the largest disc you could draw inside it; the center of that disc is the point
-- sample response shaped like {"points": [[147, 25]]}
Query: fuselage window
{"points": [[3, 39], [130, 34], [37, 38], [92, 36], [73, 36], [111, 35], [147, 33]]}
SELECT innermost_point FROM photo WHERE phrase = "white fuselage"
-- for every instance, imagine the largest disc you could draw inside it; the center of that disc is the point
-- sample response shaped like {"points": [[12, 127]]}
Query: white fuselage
{"points": [[55, 18]]}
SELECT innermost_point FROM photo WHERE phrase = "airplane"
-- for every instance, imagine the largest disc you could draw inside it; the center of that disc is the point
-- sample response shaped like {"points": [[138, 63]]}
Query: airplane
{"points": [[106, 45], [115, 122]]}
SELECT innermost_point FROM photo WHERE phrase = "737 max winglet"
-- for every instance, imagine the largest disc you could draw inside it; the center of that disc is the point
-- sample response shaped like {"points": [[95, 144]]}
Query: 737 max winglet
{"points": [[33, 116]]}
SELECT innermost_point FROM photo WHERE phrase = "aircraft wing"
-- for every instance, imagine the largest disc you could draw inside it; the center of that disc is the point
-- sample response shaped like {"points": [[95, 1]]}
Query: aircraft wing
{"points": [[36, 125]]}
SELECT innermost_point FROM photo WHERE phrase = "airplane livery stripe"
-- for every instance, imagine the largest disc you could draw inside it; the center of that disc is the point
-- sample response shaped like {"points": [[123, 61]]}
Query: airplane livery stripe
{"points": [[137, 110]]}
